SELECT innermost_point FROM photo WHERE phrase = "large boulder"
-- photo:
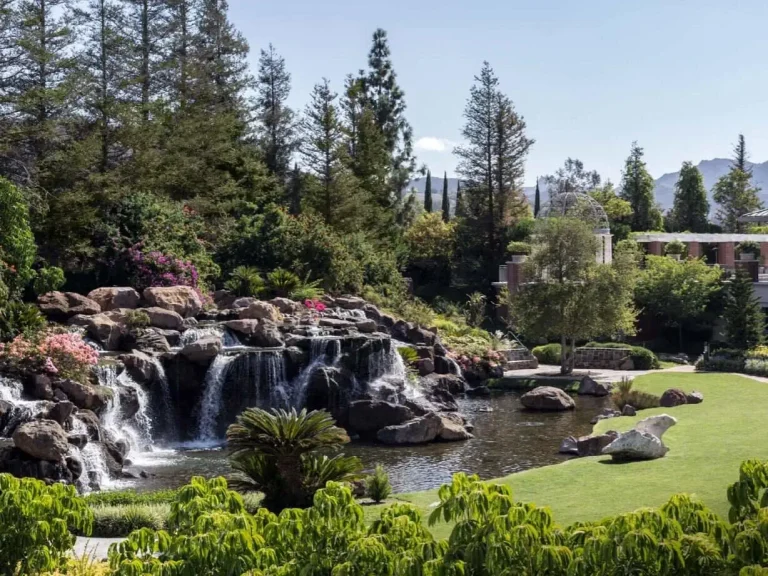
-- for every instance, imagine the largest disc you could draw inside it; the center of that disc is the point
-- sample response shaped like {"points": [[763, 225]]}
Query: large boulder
{"points": [[129, 401], [162, 318], [61, 411], [184, 300], [337, 323], [673, 397], [593, 445], [94, 398], [91, 423], [42, 439], [350, 302], [590, 387], [569, 445], [366, 326], [202, 351], [453, 430], [642, 443], [101, 327], [152, 340], [547, 398], [695, 398], [64, 305], [267, 335], [286, 305], [110, 298], [425, 366], [419, 335], [416, 431], [41, 387], [258, 310], [140, 366], [369, 416], [245, 327]]}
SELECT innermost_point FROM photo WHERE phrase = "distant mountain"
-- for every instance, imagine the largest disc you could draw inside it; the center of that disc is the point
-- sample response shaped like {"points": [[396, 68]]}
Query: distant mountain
{"points": [[711, 170]]}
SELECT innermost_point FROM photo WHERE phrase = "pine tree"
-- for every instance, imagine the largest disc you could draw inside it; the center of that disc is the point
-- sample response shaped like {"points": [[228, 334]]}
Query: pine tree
{"points": [[144, 30], [446, 200], [294, 191], [691, 208], [537, 200], [276, 120], [332, 190], [428, 193], [492, 164], [735, 193], [459, 211], [637, 188], [179, 34], [744, 319], [382, 94]]}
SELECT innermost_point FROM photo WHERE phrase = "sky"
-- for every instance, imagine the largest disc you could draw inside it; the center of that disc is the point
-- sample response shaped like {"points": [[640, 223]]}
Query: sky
{"points": [[681, 77]]}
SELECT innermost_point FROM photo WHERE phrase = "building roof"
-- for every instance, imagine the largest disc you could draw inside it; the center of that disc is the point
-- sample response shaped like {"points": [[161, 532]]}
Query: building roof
{"points": [[643, 237], [756, 216]]}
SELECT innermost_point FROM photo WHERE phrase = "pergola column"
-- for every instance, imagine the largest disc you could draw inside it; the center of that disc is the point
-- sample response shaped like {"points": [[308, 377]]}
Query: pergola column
{"points": [[515, 275], [763, 253], [654, 248], [694, 249], [726, 254]]}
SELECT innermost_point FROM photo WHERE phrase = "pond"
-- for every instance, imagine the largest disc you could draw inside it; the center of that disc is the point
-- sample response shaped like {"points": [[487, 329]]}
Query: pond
{"points": [[507, 439]]}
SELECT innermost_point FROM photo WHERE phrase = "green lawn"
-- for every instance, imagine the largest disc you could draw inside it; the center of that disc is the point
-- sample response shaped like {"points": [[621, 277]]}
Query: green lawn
{"points": [[706, 446]]}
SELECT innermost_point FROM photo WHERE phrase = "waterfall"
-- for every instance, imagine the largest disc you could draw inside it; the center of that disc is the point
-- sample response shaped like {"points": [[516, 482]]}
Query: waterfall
{"points": [[135, 431], [167, 408], [227, 337], [211, 404], [11, 391], [322, 352]]}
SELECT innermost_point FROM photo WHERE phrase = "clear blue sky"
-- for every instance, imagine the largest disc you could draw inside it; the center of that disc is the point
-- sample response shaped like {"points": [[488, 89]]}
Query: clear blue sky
{"points": [[682, 77]]}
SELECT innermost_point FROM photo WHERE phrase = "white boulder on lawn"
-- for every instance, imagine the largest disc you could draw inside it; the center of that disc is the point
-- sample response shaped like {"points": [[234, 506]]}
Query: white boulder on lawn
{"points": [[643, 442]]}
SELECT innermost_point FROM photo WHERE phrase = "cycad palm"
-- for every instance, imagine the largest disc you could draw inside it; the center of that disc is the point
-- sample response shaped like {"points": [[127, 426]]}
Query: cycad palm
{"points": [[277, 453]]}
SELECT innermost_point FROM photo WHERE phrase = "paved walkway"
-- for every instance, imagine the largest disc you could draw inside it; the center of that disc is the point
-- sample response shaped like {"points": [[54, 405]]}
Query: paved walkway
{"points": [[600, 375], [97, 548]]}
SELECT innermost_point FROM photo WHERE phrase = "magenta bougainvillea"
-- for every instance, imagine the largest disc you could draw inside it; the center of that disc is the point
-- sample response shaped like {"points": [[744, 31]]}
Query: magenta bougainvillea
{"points": [[57, 353], [157, 269]]}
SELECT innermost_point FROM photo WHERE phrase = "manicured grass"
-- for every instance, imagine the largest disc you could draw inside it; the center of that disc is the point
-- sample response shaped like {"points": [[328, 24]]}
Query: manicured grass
{"points": [[706, 446]]}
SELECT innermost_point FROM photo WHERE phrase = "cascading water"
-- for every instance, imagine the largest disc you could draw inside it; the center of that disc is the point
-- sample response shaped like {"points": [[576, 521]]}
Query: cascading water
{"points": [[211, 404], [322, 352], [11, 391], [167, 408], [136, 431], [228, 338]]}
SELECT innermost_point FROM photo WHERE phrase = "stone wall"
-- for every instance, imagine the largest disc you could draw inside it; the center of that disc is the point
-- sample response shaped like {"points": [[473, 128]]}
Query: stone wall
{"points": [[603, 358]]}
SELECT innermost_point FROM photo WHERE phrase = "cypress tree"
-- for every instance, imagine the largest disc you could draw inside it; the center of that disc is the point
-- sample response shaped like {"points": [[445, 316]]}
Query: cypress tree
{"points": [[446, 201], [735, 193], [744, 319], [459, 211], [691, 207], [537, 200], [428, 193], [637, 189]]}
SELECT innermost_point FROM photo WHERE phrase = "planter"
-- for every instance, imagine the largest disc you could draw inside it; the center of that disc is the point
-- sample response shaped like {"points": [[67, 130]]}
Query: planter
{"points": [[674, 256], [518, 258], [745, 256]]}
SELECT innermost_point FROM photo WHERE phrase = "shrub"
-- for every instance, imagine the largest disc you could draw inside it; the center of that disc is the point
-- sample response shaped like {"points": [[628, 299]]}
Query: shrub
{"points": [[48, 279], [136, 319], [548, 354], [278, 453], [623, 395], [155, 268], [120, 521], [519, 248], [17, 243], [643, 359], [307, 290], [749, 247], [35, 521], [245, 281], [62, 353], [19, 318], [130, 498], [675, 247], [282, 282], [408, 354], [377, 486], [474, 309]]}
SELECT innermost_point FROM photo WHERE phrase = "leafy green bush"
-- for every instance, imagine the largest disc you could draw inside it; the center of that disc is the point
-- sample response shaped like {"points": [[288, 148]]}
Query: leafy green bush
{"points": [[307, 290], [749, 247], [548, 353], [474, 309], [35, 521], [279, 453], [19, 318], [675, 247], [408, 354], [281, 282], [48, 279], [519, 248], [119, 521], [245, 281], [623, 395], [17, 243], [377, 486], [136, 319], [643, 359]]}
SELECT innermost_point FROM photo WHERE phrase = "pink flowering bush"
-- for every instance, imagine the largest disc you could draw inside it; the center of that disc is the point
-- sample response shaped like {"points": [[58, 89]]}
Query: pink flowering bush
{"points": [[57, 353], [157, 269]]}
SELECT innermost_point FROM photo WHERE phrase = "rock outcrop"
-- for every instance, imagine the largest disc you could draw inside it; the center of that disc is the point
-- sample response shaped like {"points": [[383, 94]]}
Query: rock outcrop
{"points": [[417, 431], [115, 298], [42, 439], [547, 398], [184, 300], [643, 442], [63, 305], [202, 351], [367, 417]]}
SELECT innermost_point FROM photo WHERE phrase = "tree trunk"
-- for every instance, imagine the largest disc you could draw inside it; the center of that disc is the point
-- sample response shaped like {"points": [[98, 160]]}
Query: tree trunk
{"points": [[564, 363]]}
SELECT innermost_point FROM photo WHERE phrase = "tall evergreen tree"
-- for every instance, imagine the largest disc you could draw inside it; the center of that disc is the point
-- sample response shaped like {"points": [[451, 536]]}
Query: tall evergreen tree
{"points": [[492, 163], [637, 189], [179, 36], [537, 200], [735, 193], [744, 319], [446, 200], [143, 26], [459, 200], [295, 191], [383, 95], [332, 190], [690, 210], [277, 139], [428, 193]]}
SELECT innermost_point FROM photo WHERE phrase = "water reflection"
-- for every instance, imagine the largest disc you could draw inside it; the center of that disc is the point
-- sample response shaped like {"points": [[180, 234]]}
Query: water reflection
{"points": [[507, 439]]}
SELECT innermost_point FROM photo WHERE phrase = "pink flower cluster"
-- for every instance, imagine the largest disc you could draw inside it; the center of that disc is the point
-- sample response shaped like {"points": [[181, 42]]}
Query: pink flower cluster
{"points": [[315, 305], [157, 269], [62, 353]]}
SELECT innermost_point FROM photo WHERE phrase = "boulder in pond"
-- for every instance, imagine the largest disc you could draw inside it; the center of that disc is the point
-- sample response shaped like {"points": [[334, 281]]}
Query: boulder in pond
{"points": [[590, 387], [569, 445], [184, 300], [593, 445], [453, 429], [417, 431], [42, 439], [673, 397], [370, 416], [547, 399], [110, 298]]}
